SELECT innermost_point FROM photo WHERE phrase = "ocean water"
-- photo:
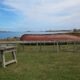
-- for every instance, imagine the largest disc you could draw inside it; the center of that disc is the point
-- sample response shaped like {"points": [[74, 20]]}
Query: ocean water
{"points": [[4, 35]]}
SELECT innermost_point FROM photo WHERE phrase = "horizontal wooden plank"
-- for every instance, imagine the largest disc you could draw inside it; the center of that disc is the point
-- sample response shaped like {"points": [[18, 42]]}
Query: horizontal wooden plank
{"points": [[7, 48], [10, 62], [15, 42], [6, 51]]}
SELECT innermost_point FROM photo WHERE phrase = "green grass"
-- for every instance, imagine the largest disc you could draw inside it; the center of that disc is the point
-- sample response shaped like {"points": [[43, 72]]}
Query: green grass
{"points": [[44, 64]]}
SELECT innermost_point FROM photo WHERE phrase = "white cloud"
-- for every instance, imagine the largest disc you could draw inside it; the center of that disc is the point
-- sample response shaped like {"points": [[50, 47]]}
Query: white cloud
{"points": [[45, 10]]}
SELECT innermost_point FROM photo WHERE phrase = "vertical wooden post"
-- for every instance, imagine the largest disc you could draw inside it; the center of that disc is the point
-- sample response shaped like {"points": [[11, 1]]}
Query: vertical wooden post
{"points": [[3, 59], [44, 45], [17, 46], [40, 46], [67, 45], [53, 45], [14, 56], [0, 57], [37, 45], [74, 48], [57, 47], [23, 46]]}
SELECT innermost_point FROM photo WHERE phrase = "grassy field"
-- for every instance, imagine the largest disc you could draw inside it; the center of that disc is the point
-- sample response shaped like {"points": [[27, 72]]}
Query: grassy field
{"points": [[43, 64]]}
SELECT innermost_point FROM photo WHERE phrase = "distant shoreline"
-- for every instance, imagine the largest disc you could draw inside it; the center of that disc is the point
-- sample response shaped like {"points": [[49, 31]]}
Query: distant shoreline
{"points": [[8, 34]]}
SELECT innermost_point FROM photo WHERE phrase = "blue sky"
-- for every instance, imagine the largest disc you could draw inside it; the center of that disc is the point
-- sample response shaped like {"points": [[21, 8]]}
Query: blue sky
{"points": [[39, 15]]}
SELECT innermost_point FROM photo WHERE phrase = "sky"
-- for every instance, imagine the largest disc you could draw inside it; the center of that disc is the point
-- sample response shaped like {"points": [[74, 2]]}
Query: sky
{"points": [[39, 15]]}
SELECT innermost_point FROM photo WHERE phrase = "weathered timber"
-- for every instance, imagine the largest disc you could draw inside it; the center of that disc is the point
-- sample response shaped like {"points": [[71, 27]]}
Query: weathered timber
{"points": [[8, 49]]}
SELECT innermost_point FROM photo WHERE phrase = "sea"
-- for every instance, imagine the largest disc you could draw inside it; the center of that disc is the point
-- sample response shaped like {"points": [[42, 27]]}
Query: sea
{"points": [[5, 35]]}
